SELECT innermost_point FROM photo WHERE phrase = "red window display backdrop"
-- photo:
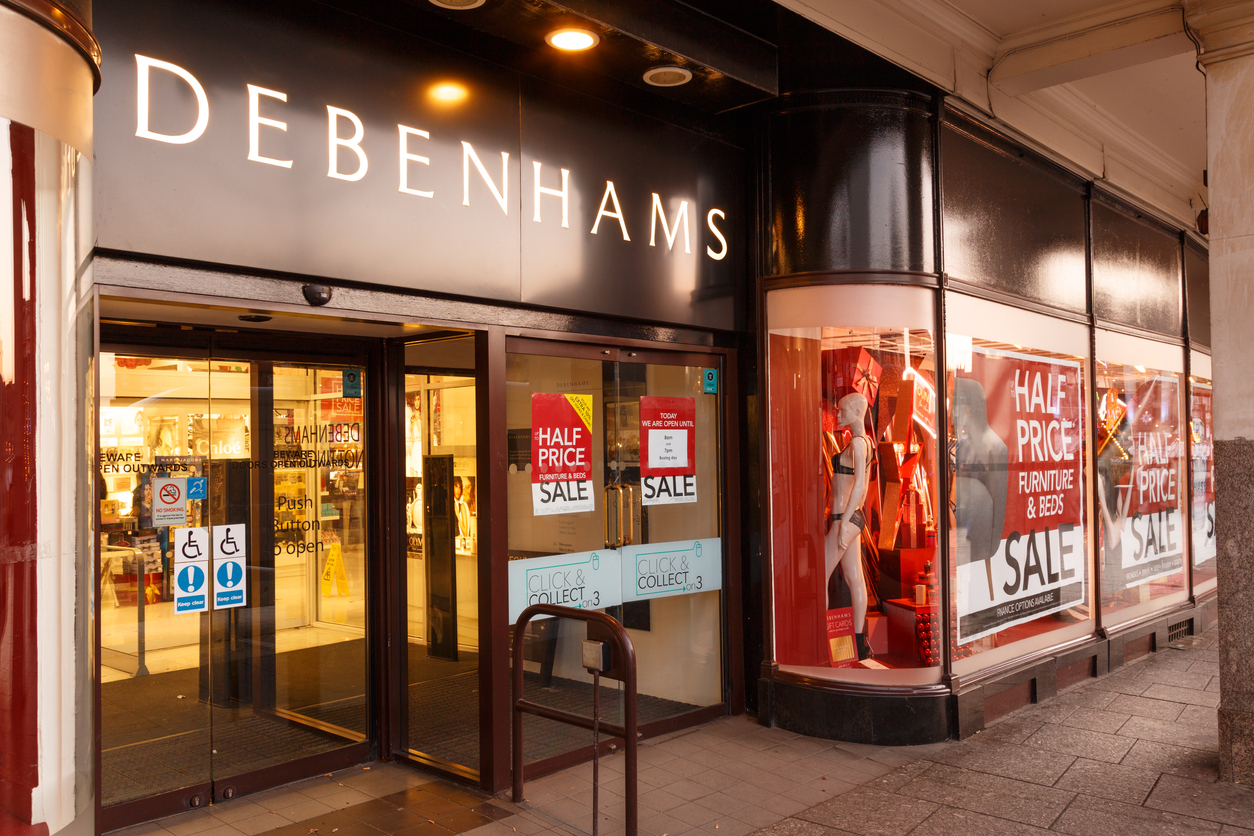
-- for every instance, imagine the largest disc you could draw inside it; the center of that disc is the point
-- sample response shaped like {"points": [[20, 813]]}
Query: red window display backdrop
{"points": [[811, 370], [1141, 485]]}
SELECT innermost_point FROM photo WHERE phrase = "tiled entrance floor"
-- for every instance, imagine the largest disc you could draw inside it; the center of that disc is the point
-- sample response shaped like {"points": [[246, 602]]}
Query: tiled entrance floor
{"points": [[728, 777]]}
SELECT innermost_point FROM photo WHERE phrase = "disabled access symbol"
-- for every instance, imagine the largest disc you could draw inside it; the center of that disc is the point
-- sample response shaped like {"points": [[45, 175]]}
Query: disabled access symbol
{"points": [[191, 549], [228, 547], [191, 580], [229, 575]]}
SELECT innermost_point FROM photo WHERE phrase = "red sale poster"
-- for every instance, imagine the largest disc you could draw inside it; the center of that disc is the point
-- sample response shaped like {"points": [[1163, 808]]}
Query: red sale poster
{"points": [[668, 442], [1018, 422], [1150, 499], [561, 454]]}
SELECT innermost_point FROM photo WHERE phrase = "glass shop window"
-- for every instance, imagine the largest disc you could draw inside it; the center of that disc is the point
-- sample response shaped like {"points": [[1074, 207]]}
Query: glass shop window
{"points": [[1018, 546], [1202, 451], [853, 400], [1141, 476]]}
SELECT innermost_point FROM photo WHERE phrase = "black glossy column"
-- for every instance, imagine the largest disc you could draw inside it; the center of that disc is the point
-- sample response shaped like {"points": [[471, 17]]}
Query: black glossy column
{"points": [[850, 184]]}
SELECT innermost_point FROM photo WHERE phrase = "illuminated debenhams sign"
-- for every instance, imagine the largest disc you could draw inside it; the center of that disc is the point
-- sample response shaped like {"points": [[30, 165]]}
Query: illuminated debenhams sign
{"points": [[347, 160]]}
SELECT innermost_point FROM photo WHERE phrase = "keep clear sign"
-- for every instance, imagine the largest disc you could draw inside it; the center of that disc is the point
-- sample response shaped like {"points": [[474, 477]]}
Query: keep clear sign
{"points": [[191, 570], [668, 442], [229, 589], [561, 454], [583, 580], [659, 570]]}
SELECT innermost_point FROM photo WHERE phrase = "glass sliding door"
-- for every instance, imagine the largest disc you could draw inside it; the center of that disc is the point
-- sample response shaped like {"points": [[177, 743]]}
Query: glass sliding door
{"points": [[232, 570], [615, 504], [440, 719]]}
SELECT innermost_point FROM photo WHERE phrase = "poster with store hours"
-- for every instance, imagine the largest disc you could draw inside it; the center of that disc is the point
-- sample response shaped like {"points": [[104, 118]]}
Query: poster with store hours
{"points": [[1018, 489], [561, 454], [668, 446]]}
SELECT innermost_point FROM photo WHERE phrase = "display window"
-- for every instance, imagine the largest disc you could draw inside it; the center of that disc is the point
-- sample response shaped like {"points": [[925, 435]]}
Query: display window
{"points": [[853, 404], [1202, 452], [1141, 476], [1019, 564]]}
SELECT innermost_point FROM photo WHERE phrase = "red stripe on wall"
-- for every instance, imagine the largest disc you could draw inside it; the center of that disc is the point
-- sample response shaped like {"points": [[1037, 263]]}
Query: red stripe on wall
{"points": [[19, 745]]}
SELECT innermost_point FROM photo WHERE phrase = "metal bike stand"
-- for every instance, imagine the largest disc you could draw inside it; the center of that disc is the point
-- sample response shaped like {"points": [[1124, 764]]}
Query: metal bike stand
{"points": [[608, 651]]}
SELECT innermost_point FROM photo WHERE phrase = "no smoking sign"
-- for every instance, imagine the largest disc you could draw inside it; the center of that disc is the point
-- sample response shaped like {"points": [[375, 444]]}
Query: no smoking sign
{"points": [[169, 501]]}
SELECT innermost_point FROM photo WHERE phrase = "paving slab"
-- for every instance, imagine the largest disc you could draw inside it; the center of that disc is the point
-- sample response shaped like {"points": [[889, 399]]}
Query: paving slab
{"points": [[1083, 743], [1218, 801], [1142, 707], [990, 795], [1176, 760], [1088, 816], [1109, 780], [1036, 766], [1178, 733], [948, 821], [871, 812]]}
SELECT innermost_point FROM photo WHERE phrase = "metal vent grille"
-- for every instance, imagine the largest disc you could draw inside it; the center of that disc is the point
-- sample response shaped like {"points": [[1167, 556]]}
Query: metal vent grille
{"points": [[1175, 632]]}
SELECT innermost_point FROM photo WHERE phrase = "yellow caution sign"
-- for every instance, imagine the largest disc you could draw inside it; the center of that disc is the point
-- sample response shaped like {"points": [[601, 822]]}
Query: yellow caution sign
{"points": [[333, 571]]}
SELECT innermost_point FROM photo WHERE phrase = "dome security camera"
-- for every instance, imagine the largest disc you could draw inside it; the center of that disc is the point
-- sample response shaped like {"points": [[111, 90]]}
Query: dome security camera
{"points": [[317, 294]]}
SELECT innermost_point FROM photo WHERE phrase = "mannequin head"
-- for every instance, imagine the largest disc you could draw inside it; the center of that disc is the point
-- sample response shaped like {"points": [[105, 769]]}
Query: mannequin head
{"points": [[970, 407], [851, 412]]}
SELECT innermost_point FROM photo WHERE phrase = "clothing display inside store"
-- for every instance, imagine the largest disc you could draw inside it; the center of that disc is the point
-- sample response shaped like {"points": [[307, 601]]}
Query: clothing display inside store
{"points": [[872, 395]]}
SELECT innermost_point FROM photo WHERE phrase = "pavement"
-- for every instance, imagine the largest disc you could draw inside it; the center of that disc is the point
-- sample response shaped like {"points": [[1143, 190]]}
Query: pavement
{"points": [[1133, 752]]}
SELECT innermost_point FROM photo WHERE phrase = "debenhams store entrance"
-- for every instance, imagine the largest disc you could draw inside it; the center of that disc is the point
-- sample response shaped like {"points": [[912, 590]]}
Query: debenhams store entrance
{"points": [[379, 362]]}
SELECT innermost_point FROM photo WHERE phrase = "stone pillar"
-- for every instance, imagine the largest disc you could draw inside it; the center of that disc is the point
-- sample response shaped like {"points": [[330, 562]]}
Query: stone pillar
{"points": [[1226, 31], [48, 71]]}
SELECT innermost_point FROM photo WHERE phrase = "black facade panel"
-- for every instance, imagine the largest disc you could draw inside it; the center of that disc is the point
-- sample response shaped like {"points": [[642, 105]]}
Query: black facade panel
{"points": [[1011, 225], [1136, 272], [1197, 285], [851, 183]]}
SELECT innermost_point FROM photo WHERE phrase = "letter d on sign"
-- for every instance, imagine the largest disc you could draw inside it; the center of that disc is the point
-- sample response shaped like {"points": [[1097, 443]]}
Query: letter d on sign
{"points": [[144, 64]]}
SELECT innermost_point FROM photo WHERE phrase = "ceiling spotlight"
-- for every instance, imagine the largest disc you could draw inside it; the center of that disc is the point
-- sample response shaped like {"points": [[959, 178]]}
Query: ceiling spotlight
{"points": [[458, 5], [572, 40], [448, 92], [255, 318], [667, 76]]}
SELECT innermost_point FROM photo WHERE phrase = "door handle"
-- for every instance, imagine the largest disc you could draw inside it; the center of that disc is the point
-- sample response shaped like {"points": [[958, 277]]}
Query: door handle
{"points": [[631, 515], [605, 498], [619, 489]]}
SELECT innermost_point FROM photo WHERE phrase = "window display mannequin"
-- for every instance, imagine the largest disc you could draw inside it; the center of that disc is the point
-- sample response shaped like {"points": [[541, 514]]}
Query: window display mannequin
{"points": [[981, 475], [843, 547]]}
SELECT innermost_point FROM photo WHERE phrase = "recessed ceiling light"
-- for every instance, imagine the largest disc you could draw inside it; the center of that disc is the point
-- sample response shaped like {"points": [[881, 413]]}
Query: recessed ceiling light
{"points": [[572, 40], [255, 318], [458, 5], [667, 76], [448, 92]]}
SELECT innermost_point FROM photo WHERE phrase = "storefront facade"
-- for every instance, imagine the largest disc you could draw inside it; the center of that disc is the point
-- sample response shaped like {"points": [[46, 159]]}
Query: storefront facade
{"points": [[388, 321], [476, 350], [1028, 437]]}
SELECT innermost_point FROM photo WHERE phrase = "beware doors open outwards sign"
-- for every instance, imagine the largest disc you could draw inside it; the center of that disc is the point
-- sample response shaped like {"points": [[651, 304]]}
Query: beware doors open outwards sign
{"points": [[561, 454], [668, 442]]}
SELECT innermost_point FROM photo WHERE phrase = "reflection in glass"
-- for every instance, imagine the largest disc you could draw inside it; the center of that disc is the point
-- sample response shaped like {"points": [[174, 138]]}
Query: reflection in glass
{"points": [[442, 566], [1140, 484]]}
